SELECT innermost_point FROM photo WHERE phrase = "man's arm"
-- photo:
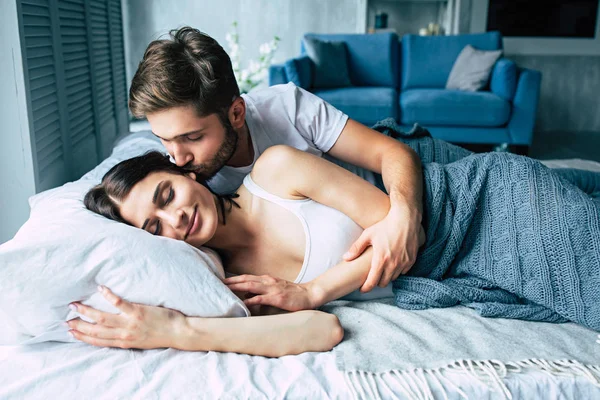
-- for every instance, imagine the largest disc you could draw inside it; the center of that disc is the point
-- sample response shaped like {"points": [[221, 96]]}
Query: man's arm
{"points": [[398, 164], [395, 238]]}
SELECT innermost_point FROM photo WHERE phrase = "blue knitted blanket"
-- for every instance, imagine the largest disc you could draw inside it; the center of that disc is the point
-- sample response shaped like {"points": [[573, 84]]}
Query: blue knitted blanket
{"points": [[506, 236], [430, 149]]}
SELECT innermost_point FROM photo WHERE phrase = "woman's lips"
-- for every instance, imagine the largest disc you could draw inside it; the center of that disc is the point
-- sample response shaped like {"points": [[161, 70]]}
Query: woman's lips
{"points": [[194, 223]]}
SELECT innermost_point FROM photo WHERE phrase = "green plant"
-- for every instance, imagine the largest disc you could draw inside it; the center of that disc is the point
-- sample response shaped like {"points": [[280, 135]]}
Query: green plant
{"points": [[252, 76]]}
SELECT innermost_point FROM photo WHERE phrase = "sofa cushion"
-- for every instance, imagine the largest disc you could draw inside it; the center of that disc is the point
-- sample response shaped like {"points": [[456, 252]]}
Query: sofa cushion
{"points": [[372, 59], [364, 104], [428, 60], [472, 69], [453, 108], [330, 61], [504, 79], [299, 71]]}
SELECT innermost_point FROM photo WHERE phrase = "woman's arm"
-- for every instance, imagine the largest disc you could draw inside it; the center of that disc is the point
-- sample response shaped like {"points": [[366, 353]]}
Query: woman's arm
{"points": [[294, 174], [336, 282], [290, 173], [269, 336], [146, 327]]}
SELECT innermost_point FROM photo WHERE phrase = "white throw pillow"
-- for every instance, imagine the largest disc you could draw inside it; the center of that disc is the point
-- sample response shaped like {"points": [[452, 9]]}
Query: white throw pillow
{"points": [[472, 69], [63, 252]]}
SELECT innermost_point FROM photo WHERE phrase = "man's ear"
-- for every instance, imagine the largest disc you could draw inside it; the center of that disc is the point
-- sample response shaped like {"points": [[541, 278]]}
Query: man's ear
{"points": [[237, 113]]}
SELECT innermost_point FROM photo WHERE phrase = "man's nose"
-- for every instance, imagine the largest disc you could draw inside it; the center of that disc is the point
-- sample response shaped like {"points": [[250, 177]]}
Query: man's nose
{"points": [[181, 155]]}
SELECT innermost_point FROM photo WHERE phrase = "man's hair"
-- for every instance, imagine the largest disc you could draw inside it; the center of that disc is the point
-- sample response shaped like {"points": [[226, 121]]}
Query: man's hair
{"points": [[189, 68]]}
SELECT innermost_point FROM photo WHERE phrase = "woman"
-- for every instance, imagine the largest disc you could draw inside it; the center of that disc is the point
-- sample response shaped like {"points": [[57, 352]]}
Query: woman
{"points": [[285, 231]]}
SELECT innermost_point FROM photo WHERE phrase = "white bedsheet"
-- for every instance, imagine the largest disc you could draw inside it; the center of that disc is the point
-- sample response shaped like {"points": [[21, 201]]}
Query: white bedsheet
{"points": [[78, 371]]}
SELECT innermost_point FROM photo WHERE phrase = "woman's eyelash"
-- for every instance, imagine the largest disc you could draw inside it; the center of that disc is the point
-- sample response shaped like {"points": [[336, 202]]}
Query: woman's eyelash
{"points": [[157, 230], [170, 196]]}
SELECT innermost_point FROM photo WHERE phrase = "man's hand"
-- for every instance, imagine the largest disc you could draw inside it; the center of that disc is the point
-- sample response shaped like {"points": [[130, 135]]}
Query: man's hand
{"points": [[272, 291], [395, 240], [137, 326]]}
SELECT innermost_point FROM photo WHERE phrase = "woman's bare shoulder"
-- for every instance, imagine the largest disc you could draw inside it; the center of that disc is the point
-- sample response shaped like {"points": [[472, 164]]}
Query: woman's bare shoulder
{"points": [[274, 169]]}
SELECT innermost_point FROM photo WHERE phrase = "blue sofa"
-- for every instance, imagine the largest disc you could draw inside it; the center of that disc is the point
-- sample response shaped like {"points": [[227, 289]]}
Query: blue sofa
{"points": [[406, 80]]}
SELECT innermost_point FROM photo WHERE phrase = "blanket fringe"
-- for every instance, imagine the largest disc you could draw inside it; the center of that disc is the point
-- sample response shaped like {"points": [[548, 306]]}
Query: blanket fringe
{"points": [[419, 383]]}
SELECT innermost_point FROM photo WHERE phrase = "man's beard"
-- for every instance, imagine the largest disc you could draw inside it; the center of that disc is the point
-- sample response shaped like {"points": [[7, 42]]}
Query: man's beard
{"points": [[209, 169]]}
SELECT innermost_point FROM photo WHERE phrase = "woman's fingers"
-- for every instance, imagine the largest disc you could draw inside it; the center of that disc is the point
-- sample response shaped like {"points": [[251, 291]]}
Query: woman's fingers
{"points": [[100, 317], [94, 330], [94, 341], [241, 278], [123, 305], [252, 286], [256, 300]]}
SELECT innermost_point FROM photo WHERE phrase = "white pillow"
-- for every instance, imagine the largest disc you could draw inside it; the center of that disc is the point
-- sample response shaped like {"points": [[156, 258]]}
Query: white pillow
{"points": [[63, 252], [472, 69]]}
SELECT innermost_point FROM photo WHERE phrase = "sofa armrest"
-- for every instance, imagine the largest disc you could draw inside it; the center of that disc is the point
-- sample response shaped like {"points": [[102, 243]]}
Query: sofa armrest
{"points": [[299, 71], [504, 79], [524, 106], [277, 74]]}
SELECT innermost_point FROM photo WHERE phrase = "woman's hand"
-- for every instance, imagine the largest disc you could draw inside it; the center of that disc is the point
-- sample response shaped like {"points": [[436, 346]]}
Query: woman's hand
{"points": [[137, 326], [273, 291]]}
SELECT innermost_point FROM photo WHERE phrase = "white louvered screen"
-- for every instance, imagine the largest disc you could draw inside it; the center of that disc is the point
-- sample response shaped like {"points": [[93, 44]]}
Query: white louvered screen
{"points": [[78, 85], [73, 57], [102, 59], [119, 73], [40, 71]]}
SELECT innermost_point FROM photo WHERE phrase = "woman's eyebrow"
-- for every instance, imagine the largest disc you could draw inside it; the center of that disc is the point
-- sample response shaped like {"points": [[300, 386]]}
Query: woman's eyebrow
{"points": [[156, 192], [154, 198]]}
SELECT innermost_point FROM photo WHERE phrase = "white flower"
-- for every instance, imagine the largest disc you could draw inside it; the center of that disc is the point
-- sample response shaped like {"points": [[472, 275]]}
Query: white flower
{"points": [[254, 66], [234, 50], [255, 74], [265, 48]]}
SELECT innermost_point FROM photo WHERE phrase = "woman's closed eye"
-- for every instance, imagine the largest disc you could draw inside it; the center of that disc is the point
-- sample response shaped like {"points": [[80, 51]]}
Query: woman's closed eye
{"points": [[170, 194], [157, 228]]}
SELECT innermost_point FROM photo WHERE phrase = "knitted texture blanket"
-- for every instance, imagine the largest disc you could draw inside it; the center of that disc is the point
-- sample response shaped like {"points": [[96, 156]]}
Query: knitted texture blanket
{"points": [[430, 150], [509, 238], [506, 236]]}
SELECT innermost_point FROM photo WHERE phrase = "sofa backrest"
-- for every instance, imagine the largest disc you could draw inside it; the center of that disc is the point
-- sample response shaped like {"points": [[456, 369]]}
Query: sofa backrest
{"points": [[372, 58], [428, 60]]}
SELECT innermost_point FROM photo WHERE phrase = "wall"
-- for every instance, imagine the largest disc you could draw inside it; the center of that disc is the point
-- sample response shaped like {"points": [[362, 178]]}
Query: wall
{"points": [[406, 17], [258, 21], [16, 165], [569, 99]]}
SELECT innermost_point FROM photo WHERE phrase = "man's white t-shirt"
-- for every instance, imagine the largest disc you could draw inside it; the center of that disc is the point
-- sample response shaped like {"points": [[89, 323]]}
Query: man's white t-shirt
{"points": [[287, 114]]}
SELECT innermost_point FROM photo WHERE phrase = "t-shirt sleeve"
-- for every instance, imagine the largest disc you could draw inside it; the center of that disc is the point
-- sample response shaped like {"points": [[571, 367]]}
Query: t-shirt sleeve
{"points": [[318, 121]]}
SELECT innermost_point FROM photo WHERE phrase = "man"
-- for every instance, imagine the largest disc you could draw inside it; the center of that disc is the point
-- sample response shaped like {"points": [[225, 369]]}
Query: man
{"points": [[186, 88]]}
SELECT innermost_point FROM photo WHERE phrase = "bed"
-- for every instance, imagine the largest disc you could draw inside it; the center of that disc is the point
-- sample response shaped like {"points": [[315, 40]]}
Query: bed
{"points": [[76, 370]]}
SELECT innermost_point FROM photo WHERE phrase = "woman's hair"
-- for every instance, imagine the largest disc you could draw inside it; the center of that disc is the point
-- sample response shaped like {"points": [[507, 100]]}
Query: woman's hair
{"points": [[119, 180], [189, 67]]}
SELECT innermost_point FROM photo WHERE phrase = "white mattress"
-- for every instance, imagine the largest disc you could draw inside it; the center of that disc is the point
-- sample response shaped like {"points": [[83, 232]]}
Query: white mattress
{"points": [[79, 371], [69, 371]]}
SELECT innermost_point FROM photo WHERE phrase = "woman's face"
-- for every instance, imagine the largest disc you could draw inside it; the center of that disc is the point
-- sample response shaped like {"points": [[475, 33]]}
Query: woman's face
{"points": [[172, 205]]}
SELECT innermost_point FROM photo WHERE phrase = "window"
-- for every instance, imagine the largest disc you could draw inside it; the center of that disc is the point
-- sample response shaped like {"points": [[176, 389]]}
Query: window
{"points": [[74, 67], [543, 18]]}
